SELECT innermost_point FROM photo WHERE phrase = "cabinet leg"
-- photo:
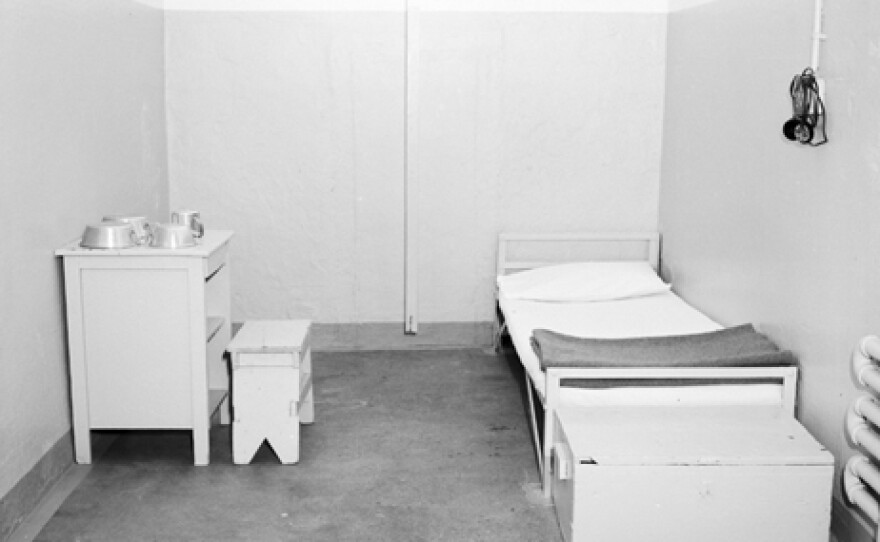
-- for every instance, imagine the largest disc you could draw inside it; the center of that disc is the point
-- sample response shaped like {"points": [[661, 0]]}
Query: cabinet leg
{"points": [[307, 402], [225, 411], [307, 406], [201, 450], [245, 443], [284, 439], [82, 445]]}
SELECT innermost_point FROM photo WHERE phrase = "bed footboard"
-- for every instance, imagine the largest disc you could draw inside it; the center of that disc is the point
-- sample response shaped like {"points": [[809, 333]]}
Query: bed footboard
{"points": [[784, 376]]}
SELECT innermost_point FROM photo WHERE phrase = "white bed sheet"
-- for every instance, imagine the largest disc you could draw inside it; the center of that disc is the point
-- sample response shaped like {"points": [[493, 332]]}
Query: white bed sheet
{"points": [[648, 316]]}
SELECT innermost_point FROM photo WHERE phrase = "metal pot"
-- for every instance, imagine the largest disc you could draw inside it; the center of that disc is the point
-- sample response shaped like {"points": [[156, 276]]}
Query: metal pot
{"points": [[109, 234], [172, 236], [142, 230]]}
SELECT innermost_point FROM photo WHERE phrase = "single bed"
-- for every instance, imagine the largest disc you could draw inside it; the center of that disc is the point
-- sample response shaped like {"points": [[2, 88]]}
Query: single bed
{"points": [[624, 307]]}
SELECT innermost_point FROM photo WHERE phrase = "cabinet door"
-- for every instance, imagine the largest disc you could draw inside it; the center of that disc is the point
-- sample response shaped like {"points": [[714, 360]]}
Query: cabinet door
{"points": [[137, 340]]}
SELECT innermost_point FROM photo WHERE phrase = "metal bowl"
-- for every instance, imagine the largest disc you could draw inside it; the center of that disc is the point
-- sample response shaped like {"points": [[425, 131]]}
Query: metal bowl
{"points": [[172, 236], [142, 230], [109, 234]]}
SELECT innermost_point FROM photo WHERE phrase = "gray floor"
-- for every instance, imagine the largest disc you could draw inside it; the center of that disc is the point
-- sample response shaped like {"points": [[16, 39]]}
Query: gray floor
{"points": [[406, 446]]}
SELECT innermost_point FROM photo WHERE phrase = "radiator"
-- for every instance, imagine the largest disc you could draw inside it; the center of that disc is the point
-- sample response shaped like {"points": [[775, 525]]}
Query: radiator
{"points": [[861, 476]]}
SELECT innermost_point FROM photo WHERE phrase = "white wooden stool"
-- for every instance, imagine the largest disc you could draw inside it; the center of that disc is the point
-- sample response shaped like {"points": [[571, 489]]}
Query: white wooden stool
{"points": [[271, 387]]}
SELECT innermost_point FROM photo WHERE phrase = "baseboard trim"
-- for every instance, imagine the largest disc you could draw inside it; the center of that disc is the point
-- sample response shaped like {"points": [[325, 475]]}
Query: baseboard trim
{"points": [[391, 336], [22, 499], [37, 496]]}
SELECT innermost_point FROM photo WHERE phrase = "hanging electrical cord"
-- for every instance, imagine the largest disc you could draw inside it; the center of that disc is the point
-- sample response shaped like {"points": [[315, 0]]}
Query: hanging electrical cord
{"points": [[807, 125]]}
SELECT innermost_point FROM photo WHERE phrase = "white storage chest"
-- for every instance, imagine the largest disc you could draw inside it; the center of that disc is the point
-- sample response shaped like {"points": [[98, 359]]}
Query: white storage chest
{"points": [[689, 474]]}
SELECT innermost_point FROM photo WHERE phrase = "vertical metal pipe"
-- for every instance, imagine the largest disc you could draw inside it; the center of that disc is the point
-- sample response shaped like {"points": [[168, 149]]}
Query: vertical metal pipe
{"points": [[818, 34], [411, 170]]}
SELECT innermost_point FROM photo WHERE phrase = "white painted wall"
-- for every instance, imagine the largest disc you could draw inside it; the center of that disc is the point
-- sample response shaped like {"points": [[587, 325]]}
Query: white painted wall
{"points": [[759, 229], [288, 127], [82, 134], [532, 122]]}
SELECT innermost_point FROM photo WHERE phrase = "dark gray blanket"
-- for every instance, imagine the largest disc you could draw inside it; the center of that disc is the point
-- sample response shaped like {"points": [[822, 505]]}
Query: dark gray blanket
{"points": [[739, 346]]}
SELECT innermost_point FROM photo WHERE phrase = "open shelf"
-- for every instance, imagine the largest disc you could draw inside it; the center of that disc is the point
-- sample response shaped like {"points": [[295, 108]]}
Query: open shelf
{"points": [[215, 398], [212, 326]]}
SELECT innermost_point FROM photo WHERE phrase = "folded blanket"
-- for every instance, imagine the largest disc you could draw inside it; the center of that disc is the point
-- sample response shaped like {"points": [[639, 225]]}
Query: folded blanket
{"points": [[739, 346]]}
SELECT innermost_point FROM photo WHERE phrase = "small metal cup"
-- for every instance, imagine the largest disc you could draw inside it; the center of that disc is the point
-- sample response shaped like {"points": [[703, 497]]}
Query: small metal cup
{"points": [[190, 219]]}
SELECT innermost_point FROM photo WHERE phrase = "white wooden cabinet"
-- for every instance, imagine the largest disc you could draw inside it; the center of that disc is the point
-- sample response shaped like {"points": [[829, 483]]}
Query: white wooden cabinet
{"points": [[147, 330], [689, 474]]}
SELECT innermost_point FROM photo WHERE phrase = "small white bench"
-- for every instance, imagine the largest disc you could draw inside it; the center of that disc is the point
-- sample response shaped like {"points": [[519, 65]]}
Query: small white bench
{"points": [[271, 387]]}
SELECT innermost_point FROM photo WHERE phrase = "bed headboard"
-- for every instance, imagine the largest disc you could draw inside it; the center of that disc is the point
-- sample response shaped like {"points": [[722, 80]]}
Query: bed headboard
{"points": [[521, 251]]}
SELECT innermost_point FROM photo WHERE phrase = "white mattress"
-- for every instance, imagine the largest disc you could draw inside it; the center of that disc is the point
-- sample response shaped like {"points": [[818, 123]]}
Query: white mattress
{"points": [[647, 316]]}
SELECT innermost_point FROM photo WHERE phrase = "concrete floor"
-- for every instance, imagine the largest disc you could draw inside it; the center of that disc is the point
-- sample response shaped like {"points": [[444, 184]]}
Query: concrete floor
{"points": [[407, 445]]}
